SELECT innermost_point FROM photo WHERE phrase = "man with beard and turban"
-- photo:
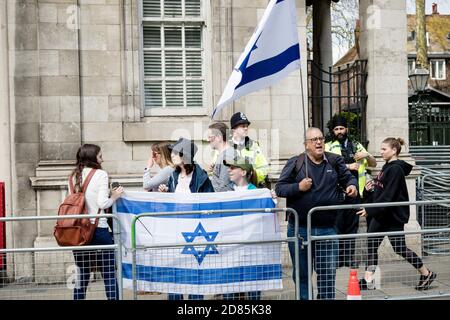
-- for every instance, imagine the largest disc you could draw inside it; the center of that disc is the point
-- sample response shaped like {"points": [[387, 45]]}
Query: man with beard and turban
{"points": [[356, 159]]}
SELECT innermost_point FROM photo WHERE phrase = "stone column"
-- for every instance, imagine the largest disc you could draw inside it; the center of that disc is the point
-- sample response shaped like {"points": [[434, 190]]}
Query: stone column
{"points": [[59, 104], [59, 79], [6, 163], [5, 126], [323, 56], [383, 44], [24, 111]]}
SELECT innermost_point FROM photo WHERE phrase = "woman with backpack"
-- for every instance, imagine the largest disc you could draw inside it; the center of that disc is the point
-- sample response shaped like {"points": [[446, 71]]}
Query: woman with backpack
{"points": [[97, 198], [390, 186], [188, 177]]}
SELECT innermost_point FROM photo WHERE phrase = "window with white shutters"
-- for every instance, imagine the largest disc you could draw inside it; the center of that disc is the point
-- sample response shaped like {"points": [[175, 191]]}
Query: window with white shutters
{"points": [[173, 56], [437, 71]]}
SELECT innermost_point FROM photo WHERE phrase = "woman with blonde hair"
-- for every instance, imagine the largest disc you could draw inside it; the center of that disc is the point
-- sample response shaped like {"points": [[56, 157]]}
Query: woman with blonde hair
{"points": [[161, 158], [390, 186]]}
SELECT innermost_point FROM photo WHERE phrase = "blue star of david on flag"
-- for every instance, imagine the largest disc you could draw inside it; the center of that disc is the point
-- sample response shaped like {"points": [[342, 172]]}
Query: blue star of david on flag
{"points": [[200, 232]]}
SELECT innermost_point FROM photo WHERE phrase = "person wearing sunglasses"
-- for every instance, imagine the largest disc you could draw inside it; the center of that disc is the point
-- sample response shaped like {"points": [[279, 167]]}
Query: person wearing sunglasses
{"points": [[188, 177], [315, 178], [160, 158]]}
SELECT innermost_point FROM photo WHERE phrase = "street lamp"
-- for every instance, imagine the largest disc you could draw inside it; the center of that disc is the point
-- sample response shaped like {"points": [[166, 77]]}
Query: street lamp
{"points": [[419, 79], [419, 111]]}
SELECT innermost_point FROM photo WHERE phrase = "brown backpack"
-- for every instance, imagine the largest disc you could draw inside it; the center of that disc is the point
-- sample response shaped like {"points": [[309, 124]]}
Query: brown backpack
{"points": [[75, 232]]}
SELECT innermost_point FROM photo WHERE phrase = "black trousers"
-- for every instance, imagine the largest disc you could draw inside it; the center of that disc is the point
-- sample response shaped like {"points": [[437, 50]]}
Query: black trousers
{"points": [[398, 243], [347, 222]]}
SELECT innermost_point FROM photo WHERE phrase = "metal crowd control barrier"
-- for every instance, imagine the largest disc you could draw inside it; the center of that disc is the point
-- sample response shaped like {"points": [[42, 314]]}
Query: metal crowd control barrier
{"points": [[394, 277], [44, 270], [218, 243], [437, 215]]}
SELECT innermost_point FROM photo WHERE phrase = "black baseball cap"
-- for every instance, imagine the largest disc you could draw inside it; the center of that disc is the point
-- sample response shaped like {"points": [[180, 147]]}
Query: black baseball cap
{"points": [[186, 147]]}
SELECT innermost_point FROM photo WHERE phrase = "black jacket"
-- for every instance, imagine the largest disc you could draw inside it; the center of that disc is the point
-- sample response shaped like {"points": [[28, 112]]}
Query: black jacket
{"points": [[199, 183], [326, 189], [390, 186]]}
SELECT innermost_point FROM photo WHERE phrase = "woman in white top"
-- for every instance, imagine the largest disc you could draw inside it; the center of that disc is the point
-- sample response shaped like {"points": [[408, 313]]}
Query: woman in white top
{"points": [[89, 157], [161, 157]]}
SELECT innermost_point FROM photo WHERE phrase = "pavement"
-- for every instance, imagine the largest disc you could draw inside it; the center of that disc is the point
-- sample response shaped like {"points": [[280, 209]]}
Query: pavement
{"points": [[398, 280]]}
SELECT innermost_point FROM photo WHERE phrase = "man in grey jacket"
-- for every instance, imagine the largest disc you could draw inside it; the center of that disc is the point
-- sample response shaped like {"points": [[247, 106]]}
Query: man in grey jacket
{"points": [[217, 138]]}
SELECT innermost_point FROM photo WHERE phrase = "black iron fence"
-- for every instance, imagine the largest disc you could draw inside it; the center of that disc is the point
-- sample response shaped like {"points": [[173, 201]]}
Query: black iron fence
{"points": [[429, 122], [337, 90]]}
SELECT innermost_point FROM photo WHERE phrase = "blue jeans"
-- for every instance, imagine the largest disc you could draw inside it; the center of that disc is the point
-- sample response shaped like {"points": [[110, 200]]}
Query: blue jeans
{"points": [[324, 254], [103, 259]]}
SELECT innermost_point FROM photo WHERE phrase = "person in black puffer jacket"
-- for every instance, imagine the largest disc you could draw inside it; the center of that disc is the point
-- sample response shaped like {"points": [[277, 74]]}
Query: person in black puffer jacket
{"points": [[390, 186]]}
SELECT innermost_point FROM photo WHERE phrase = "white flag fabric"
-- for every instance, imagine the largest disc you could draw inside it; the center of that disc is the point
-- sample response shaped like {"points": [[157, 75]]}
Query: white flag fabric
{"points": [[201, 269], [271, 54]]}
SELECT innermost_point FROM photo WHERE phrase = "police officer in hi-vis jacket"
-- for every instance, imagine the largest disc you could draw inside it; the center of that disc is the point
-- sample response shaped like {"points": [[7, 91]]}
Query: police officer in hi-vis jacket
{"points": [[357, 159]]}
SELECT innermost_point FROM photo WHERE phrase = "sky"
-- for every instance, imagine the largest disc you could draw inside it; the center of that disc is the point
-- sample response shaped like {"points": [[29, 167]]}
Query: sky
{"points": [[443, 6]]}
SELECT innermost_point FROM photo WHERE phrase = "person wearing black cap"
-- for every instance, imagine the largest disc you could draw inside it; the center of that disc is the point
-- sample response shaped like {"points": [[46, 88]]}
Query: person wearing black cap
{"points": [[356, 159], [248, 148], [188, 177]]}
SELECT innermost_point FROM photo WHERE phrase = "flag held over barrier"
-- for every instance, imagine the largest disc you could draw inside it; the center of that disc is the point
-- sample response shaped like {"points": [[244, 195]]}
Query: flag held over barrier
{"points": [[206, 268], [271, 54]]}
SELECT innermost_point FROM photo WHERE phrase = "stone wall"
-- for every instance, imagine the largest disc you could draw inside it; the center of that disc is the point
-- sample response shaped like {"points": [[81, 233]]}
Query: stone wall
{"points": [[74, 78], [71, 75]]}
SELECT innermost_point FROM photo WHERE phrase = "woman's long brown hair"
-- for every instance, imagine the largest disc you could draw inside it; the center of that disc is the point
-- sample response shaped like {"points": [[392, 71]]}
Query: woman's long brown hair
{"points": [[86, 158], [163, 149]]}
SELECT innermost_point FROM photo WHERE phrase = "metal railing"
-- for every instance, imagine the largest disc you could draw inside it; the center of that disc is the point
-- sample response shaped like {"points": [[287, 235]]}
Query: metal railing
{"points": [[163, 250], [397, 278], [51, 272], [432, 187]]}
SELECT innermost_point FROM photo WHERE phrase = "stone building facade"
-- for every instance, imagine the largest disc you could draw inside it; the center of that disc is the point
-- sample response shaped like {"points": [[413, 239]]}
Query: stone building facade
{"points": [[86, 71]]}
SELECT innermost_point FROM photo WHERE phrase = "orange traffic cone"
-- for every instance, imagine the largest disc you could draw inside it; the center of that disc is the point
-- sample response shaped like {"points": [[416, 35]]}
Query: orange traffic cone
{"points": [[353, 290]]}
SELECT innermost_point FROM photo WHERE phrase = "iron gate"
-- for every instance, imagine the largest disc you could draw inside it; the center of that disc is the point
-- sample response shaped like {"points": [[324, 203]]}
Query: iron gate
{"points": [[338, 90]]}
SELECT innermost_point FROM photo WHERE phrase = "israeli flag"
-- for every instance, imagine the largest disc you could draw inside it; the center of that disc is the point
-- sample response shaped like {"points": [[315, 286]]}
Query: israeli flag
{"points": [[272, 53], [206, 268]]}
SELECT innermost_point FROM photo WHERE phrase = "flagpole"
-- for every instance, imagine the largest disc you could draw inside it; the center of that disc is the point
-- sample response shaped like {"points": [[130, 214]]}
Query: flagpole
{"points": [[305, 117]]}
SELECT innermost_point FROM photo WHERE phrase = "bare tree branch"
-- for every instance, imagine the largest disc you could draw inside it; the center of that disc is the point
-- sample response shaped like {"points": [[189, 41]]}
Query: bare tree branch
{"points": [[343, 21]]}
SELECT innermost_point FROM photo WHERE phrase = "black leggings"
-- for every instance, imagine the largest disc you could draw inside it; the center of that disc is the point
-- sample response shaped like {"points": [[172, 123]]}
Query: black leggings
{"points": [[398, 243]]}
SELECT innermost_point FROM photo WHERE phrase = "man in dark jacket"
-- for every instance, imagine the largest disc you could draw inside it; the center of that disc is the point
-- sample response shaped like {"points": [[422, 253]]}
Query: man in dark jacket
{"points": [[318, 182]]}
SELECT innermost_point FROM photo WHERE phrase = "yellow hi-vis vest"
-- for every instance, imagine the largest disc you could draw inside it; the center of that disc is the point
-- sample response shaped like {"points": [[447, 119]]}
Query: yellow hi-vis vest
{"points": [[335, 147], [251, 149]]}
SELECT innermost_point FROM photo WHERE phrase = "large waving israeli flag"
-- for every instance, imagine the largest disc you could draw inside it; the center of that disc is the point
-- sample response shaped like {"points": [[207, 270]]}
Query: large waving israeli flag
{"points": [[206, 268], [271, 54]]}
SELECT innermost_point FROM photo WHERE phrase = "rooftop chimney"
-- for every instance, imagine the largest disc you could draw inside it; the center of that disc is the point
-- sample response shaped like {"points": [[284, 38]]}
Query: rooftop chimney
{"points": [[435, 8]]}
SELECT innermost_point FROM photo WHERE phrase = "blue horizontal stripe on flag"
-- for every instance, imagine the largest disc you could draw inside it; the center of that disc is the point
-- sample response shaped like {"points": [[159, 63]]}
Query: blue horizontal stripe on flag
{"points": [[137, 207], [269, 66], [203, 276]]}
